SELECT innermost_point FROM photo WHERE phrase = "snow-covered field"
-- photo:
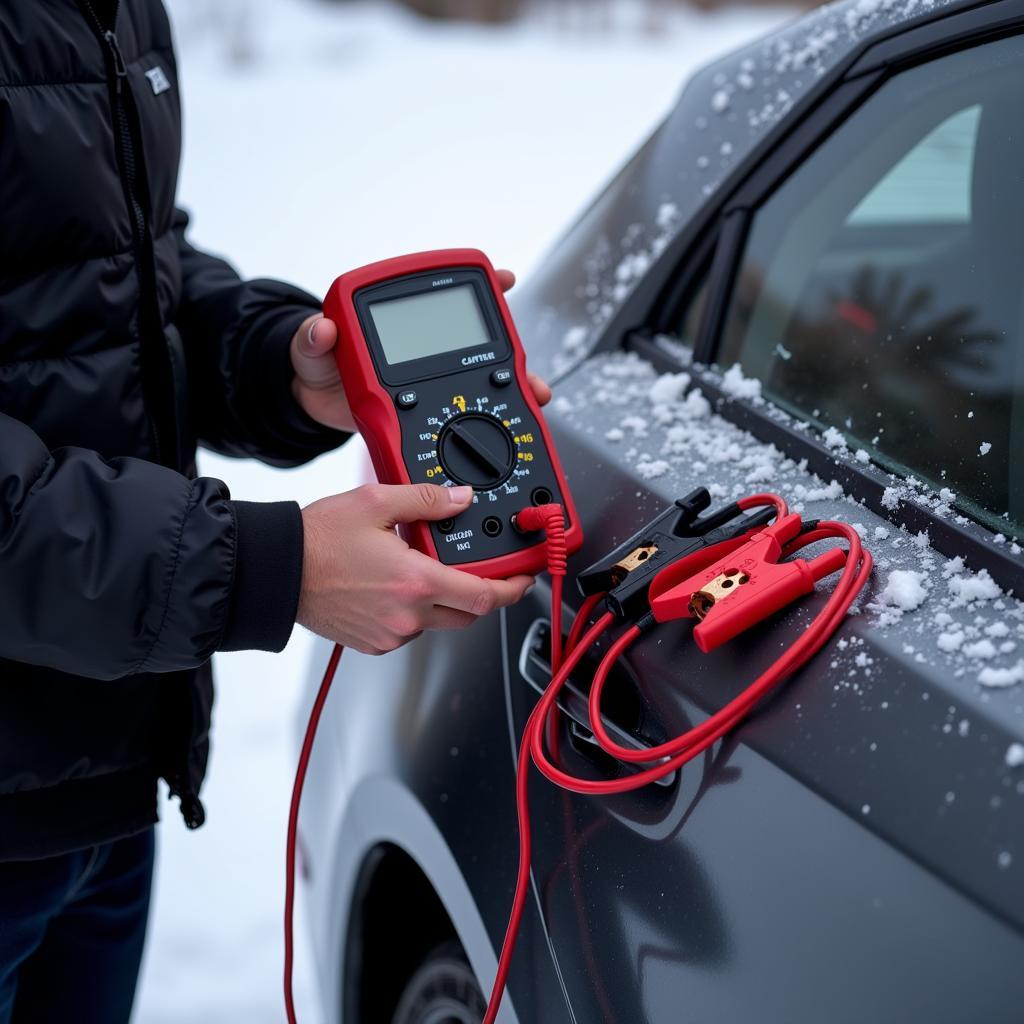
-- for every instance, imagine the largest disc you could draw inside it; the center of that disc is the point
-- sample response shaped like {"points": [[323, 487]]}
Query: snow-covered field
{"points": [[352, 133]]}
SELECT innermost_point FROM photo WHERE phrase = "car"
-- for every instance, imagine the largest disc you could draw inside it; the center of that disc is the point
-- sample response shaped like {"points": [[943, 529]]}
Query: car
{"points": [[808, 280]]}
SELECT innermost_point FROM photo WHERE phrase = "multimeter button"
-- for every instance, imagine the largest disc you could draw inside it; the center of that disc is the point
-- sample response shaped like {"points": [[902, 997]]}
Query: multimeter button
{"points": [[501, 378], [406, 399]]}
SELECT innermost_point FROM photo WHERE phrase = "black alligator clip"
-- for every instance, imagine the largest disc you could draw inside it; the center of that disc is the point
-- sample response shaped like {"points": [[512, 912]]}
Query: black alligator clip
{"points": [[679, 531]]}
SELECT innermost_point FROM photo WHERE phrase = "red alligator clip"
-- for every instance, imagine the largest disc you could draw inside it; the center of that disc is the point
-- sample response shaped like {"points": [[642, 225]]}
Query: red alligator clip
{"points": [[740, 588]]}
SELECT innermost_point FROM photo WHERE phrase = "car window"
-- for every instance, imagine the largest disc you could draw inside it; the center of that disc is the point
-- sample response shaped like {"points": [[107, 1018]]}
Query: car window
{"points": [[932, 183], [881, 290], [693, 312]]}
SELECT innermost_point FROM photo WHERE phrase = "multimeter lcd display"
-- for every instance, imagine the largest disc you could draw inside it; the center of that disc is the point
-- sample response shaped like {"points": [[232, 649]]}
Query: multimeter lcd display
{"points": [[430, 324]]}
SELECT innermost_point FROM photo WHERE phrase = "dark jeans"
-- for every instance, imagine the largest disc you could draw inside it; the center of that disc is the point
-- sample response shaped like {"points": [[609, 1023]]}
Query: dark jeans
{"points": [[71, 934]]}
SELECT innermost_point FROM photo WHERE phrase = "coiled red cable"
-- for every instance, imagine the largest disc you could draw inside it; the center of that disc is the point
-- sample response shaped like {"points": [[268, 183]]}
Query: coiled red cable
{"points": [[670, 756]]}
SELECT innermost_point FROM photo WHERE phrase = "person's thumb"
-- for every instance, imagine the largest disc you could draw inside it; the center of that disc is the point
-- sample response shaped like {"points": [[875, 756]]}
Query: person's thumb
{"points": [[313, 352], [413, 503], [321, 337]]}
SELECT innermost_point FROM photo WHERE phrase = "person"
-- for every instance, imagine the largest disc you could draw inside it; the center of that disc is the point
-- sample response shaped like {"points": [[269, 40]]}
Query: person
{"points": [[121, 571]]}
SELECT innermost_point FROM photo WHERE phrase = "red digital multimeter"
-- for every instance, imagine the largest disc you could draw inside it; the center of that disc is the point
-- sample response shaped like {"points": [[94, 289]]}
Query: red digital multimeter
{"points": [[435, 374]]}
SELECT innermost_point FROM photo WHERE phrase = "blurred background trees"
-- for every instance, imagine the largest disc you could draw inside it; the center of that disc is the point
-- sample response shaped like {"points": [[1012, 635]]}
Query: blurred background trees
{"points": [[234, 22], [594, 14]]}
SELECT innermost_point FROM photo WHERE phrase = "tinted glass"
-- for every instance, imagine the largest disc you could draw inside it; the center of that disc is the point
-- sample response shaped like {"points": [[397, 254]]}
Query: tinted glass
{"points": [[693, 313], [882, 287]]}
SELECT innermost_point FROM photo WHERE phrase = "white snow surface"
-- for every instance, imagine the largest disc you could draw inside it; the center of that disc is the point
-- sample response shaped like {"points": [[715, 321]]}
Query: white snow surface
{"points": [[524, 124], [669, 387], [905, 589], [738, 386], [1000, 677]]}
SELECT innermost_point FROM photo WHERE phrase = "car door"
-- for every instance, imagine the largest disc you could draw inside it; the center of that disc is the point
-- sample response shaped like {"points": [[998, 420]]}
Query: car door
{"points": [[853, 852]]}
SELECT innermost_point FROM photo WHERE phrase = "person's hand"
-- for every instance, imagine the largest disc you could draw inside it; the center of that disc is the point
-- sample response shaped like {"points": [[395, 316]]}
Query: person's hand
{"points": [[364, 587], [317, 385]]}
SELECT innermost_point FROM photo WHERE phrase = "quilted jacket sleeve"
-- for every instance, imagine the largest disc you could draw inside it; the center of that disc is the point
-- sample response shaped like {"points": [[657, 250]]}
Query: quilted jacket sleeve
{"points": [[113, 567], [237, 334]]}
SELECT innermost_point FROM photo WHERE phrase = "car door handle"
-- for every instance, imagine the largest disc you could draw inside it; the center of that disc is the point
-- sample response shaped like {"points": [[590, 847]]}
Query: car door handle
{"points": [[535, 668]]}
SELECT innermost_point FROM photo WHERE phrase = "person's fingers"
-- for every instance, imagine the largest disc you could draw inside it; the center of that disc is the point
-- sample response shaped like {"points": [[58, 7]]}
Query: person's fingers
{"points": [[387, 638], [464, 592], [362, 648], [413, 503], [440, 617], [540, 388], [506, 279]]}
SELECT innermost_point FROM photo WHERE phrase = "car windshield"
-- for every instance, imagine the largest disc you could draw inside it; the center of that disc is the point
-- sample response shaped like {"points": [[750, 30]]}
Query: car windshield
{"points": [[880, 291]]}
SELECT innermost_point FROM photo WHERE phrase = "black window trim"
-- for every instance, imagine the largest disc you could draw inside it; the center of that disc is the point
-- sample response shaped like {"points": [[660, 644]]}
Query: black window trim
{"points": [[866, 483], [725, 225]]}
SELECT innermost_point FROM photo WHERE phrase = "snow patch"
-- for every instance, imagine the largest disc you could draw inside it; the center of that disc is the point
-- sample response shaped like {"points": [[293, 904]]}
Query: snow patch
{"points": [[890, 498], [998, 678], [833, 439], [950, 642], [983, 649], [648, 470], [636, 424], [904, 589], [977, 587], [575, 339], [669, 387], [736, 385]]}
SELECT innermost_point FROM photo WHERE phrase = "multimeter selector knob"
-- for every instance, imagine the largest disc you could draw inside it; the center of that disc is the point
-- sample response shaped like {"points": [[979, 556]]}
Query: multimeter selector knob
{"points": [[477, 450]]}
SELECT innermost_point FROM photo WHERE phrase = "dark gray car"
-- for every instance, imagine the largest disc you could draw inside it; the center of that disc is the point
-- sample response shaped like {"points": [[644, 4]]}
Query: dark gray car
{"points": [[809, 280]]}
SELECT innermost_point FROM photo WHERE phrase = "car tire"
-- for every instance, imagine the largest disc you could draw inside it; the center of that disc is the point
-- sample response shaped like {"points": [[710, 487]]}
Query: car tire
{"points": [[443, 990]]}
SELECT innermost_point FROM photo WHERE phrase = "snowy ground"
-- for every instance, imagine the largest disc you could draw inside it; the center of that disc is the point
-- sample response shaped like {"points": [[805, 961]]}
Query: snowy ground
{"points": [[354, 133]]}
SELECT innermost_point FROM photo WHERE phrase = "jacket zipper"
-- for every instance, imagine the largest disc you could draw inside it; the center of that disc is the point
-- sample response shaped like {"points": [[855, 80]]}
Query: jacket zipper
{"points": [[126, 143], [160, 411], [131, 178]]}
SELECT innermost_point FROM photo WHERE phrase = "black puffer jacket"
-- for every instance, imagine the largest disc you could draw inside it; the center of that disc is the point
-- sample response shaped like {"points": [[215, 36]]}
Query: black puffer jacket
{"points": [[120, 347]]}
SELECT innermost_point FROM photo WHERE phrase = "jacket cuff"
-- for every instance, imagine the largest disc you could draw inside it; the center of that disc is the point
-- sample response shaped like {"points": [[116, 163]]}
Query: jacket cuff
{"points": [[267, 577], [295, 428]]}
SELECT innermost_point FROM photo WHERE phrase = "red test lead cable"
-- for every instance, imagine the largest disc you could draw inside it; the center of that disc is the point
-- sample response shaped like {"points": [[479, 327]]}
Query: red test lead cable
{"points": [[293, 826], [549, 518]]}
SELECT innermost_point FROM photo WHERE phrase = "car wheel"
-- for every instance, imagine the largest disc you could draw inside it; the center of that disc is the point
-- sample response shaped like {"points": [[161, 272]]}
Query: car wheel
{"points": [[443, 990]]}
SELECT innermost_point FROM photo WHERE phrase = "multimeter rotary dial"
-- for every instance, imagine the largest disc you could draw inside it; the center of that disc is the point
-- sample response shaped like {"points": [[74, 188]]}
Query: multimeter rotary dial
{"points": [[475, 448]]}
